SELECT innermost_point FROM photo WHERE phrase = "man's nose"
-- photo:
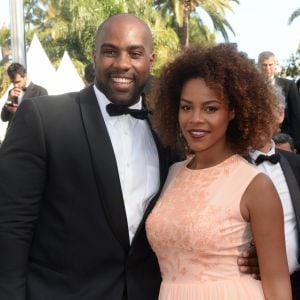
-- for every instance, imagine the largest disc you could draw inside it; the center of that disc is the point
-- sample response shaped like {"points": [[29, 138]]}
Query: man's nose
{"points": [[123, 61]]}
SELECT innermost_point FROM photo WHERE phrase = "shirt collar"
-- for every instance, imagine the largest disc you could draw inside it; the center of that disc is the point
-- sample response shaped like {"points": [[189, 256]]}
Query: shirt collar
{"points": [[255, 153], [27, 83], [103, 101]]}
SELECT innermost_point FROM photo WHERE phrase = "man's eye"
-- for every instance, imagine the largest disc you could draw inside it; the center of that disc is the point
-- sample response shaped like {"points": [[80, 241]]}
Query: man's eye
{"points": [[109, 52], [136, 54]]}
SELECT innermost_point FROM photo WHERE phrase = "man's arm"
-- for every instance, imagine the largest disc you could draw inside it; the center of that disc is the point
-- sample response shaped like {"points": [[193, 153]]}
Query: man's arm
{"points": [[10, 107], [22, 177], [5, 113]]}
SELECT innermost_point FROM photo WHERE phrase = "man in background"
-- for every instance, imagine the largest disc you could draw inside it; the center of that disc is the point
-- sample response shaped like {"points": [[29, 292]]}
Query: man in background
{"points": [[89, 74], [283, 168], [291, 122], [22, 89], [284, 141]]}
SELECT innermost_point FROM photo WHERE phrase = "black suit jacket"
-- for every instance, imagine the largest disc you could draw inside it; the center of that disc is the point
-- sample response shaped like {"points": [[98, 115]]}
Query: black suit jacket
{"points": [[290, 164], [291, 123], [63, 226], [33, 90]]}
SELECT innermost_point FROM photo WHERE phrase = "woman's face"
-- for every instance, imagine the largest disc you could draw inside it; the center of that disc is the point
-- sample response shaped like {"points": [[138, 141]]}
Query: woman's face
{"points": [[203, 117]]}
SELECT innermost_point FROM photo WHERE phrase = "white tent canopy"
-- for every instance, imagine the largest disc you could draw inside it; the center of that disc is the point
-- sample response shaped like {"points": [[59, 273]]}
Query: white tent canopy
{"points": [[39, 68], [67, 78]]}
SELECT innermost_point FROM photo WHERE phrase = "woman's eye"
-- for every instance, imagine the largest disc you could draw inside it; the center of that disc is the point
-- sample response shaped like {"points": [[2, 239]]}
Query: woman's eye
{"points": [[185, 107], [211, 109]]}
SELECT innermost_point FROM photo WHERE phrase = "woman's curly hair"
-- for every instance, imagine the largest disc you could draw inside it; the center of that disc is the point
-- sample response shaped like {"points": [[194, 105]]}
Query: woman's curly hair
{"points": [[235, 77]]}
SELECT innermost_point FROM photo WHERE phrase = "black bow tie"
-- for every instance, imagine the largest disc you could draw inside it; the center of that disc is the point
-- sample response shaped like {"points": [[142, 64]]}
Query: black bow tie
{"points": [[118, 110], [274, 158]]}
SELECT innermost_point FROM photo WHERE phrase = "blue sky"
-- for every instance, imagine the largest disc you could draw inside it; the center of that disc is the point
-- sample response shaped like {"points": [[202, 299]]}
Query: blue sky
{"points": [[263, 25], [259, 25]]}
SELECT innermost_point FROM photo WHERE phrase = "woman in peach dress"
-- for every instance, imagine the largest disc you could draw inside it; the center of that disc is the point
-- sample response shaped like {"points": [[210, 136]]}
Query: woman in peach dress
{"points": [[215, 203]]}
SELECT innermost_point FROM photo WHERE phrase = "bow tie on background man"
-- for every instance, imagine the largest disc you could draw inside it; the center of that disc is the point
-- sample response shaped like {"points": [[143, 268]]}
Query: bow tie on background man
{"points": [[118, 110], [274, 158]]}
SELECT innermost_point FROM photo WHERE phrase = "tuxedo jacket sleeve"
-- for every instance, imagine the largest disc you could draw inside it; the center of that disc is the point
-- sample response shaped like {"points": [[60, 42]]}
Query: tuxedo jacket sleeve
{"points": [[291, 123], [33, 90], [63, 225]]}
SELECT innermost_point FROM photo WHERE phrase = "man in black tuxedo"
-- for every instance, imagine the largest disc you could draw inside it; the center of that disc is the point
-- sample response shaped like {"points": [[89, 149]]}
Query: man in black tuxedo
{"points": [[283, 167], [79, 173], [22, 89], [291, 122]]}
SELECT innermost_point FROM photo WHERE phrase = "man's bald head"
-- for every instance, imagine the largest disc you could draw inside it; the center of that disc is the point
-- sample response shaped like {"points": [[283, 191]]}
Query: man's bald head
{"points": [[119, 19], [123, 58]]}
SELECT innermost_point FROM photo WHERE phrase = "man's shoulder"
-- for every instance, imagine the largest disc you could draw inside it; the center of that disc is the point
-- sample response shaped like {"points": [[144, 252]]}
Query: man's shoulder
{"points": [[290, 156], [56, 98], [283, 80], [36, 86]]}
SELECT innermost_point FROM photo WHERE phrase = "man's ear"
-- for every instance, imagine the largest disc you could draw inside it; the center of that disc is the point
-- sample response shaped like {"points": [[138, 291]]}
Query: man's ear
{"points": [[152, 60]]}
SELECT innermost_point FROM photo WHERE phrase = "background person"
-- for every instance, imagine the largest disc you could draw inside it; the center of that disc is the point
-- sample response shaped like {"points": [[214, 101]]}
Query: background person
{"points": [[220, 105], [89, 74], [284, 170], [291, 122], [298, 85], [22, 89], [284, 141]]}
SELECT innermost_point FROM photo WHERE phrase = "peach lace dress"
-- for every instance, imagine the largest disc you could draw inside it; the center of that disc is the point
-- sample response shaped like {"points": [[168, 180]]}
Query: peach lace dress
{"points": [[197, 232]]}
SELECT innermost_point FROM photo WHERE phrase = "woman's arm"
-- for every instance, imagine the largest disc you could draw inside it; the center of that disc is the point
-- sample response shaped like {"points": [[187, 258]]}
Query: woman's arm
{"points": [[261, 206]]}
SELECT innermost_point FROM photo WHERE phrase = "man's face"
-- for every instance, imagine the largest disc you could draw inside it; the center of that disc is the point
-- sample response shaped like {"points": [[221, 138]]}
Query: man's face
{"points": [[123, 59], [267, 66], [19, 81]]}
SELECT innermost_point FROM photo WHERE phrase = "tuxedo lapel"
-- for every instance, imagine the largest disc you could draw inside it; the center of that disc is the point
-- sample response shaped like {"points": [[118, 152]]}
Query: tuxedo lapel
{"points": [[105, 166], [293, 187]]}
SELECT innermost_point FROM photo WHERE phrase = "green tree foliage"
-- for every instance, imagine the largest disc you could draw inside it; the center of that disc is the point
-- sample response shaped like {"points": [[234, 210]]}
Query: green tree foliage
{"points": [[71, 25], [181, 12], [291, 68], [5, 52]]}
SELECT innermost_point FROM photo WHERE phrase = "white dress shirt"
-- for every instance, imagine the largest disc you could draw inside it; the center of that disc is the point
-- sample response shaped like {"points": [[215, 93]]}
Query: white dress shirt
{"points": [[274, 171], [137, 160]]}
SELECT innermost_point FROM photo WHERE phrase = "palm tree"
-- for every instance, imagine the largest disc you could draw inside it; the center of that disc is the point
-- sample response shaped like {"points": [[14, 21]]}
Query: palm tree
{"points": [[294, 15], [182, 10], [71, 25]]}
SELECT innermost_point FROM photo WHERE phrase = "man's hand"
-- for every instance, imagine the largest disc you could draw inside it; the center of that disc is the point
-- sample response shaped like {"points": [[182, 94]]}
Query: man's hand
{"points": [[14, 93], [248, 262], [11, 107], [12, 102]]}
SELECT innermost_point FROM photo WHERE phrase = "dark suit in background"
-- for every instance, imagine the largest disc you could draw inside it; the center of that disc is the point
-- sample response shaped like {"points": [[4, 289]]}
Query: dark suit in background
{"points": [[64, 233], [33, 90], [291, 123], [290, 164]]}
